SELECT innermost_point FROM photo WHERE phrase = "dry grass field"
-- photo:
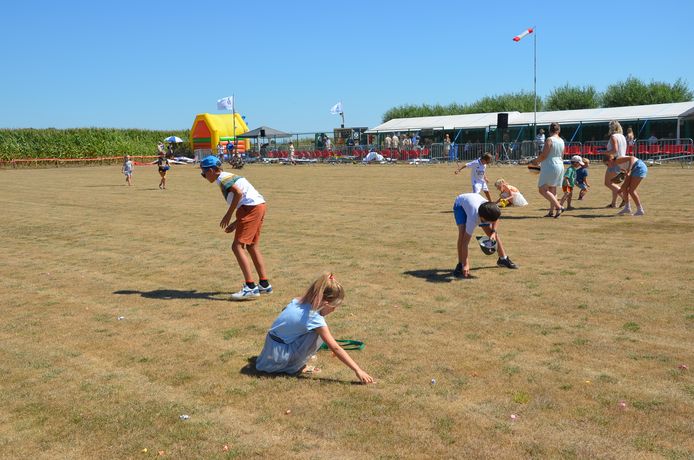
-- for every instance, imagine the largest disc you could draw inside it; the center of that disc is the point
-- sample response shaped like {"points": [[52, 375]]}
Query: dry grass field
{"points": [[116, 320]]}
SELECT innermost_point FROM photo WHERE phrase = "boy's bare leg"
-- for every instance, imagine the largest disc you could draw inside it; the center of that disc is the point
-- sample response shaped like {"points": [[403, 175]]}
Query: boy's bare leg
{"points": [[258, 260], [241, 258]]}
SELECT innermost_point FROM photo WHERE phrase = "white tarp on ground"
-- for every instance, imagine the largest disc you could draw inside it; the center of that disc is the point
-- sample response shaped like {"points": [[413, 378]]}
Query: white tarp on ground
{"points": [[484, 120]]}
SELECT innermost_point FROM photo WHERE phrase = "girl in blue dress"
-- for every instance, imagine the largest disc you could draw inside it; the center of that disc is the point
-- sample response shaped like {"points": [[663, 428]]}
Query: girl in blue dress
{"points": [[300, 330]]}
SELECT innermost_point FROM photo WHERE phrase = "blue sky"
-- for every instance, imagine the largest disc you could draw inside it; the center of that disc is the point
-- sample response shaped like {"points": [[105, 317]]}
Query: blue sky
{"points": [[155, 64]]}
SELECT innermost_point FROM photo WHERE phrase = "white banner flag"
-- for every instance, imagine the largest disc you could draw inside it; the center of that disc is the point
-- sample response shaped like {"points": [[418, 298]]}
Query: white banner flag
{"points": [[336, 109], [225, 103]]}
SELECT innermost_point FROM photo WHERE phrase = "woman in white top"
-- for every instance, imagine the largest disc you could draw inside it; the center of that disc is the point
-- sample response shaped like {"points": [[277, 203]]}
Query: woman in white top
{"points": [[551, 169], [616, 148]]}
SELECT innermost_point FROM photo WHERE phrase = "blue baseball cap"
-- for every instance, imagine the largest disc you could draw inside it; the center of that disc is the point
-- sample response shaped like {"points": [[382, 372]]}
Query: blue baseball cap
{"points": [[210, 161]]}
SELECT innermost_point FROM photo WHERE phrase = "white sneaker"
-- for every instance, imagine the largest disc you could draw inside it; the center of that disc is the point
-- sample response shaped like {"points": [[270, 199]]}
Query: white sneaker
{"points": [[246, 293], [639, 212], [624, 212]]}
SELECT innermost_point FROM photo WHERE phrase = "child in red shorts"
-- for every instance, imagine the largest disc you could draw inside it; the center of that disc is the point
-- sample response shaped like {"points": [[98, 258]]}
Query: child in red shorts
{"points": [[249, 206]]}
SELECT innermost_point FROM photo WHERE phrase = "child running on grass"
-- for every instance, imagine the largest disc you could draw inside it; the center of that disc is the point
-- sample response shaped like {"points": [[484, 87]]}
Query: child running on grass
{"points": [[300, 329], [128, 170], [582, 179], [479, 174], [249, 206], [569, 182]]}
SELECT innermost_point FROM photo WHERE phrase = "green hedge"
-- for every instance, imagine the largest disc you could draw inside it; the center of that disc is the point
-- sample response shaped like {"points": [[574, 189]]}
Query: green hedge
{"points": [[84, 142]]}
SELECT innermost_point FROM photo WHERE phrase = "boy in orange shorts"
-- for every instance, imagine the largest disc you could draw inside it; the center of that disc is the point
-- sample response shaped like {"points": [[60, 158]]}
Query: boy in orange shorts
{"points": [[569, 181], [249, 206]]}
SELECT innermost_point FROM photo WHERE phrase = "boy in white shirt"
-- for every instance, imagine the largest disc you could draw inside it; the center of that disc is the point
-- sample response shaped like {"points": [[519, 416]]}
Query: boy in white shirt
{"points": [[471, 210], [249, 206], [479, 174]]}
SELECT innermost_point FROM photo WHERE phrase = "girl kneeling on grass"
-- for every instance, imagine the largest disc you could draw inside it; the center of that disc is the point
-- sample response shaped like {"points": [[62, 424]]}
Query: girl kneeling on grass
{"points": [[300, 329]]}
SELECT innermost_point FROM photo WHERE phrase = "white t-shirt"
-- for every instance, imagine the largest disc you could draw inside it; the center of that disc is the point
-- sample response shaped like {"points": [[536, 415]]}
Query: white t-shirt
{"points": [[249, 195], [621, 147], [478, 170], [470, 202]]}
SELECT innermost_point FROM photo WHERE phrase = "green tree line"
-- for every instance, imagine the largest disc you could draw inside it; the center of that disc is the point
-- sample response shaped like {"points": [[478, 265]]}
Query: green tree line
{"points": [[632, 91], [84, 142]]}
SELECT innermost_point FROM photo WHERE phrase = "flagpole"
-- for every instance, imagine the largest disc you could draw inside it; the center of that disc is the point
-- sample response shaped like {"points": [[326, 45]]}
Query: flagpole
{"points": [[535, 80], [342, 114], [233, 121]]}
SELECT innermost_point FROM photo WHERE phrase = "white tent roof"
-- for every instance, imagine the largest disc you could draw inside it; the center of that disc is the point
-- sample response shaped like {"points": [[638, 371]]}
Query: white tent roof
{"points": [[483, 120]]}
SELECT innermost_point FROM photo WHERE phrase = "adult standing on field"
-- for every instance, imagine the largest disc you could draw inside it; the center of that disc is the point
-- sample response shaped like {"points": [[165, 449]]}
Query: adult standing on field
{"points": [[551, 169], [163, 166], [616, 148]]}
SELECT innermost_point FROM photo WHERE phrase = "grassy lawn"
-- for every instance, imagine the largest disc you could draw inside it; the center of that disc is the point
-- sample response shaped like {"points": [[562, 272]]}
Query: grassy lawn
{"points": [[116, 319]]}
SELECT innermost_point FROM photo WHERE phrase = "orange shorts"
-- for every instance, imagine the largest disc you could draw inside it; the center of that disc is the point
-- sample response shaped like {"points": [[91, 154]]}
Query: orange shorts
{"points": [[566, 189], [249, 221]]}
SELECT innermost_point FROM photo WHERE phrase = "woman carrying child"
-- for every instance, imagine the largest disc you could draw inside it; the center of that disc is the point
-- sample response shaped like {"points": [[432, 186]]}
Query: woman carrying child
{"points": [[300, 329], [509, 195]]}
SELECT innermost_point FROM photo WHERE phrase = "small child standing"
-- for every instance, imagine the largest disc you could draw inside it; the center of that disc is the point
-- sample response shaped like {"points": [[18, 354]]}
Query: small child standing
{"points": [[249, 206], [128, 170], [509, 195], [300, 329], [569, 182], [582, 179], [479, 174]]}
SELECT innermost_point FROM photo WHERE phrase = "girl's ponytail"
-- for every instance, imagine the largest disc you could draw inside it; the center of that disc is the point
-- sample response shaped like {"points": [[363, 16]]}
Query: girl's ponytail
{"points": [[324, 288]]}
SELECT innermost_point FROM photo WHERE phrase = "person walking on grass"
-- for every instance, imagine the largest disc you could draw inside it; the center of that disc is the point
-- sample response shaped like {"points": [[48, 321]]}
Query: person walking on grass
{"points": [[249, 206], [164, 166], [300, 330], [616, 148], [470, 211], [569, 181], [479, 174], [128, 170], [582, 178], [551, 169]]}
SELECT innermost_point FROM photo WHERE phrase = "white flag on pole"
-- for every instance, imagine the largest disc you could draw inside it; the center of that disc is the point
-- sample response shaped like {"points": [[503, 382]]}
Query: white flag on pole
{"points": [[337, 109], [225, 103]]}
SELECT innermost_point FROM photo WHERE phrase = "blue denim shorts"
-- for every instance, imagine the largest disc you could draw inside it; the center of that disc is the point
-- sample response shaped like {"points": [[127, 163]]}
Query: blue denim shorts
{"points": [[640, 169], [460, 215]]}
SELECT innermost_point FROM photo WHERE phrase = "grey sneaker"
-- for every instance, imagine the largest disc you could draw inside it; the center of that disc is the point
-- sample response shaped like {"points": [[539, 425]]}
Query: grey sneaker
{"points": [[246, 293]]}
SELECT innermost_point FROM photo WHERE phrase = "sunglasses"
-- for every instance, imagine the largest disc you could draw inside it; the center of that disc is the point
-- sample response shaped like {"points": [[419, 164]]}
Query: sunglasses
{"points": [[203, 173]]}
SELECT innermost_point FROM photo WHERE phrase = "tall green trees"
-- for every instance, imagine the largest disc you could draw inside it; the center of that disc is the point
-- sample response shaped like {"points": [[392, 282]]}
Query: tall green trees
{"points": [[632, 91]]}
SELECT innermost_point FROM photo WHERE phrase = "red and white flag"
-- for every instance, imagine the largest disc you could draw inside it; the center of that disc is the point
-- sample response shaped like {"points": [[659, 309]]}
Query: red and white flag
{"points": [[518, 37]]}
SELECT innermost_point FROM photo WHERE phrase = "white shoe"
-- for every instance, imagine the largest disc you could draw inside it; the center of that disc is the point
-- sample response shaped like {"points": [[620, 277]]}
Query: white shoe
{"points": [[639, 212], [246, 293], [624, 212]]}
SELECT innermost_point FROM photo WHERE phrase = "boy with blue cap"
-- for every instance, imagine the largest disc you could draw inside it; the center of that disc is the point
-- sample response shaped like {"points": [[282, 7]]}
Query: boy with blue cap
{"points": [[249, 206]]}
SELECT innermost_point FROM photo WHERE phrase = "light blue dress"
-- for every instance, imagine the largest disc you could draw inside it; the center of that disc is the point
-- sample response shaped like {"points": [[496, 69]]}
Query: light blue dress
{"points": [[291, 340], [552, 167]]}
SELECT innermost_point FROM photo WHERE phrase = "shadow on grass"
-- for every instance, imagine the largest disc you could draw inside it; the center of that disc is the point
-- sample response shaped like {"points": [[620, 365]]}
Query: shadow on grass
{"points": [[170, 294], [588, 216], [105, 185], [512, 217], [250, 370], [440, 275]]}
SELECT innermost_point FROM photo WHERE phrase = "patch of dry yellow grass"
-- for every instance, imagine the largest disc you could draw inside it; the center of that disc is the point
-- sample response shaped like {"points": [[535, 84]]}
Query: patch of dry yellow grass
{"points": [[600, 312]]}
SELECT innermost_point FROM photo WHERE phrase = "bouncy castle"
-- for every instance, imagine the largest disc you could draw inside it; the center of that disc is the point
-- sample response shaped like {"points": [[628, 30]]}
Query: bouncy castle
{"points": [[211, 129]]}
